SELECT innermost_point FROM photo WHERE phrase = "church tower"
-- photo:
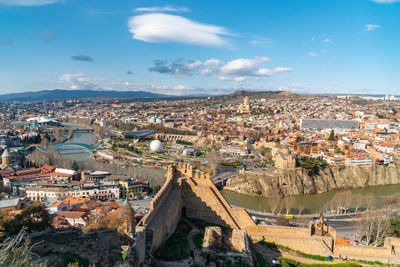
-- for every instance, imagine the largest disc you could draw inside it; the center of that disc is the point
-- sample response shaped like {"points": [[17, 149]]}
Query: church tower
{"points": [[6, 157]]}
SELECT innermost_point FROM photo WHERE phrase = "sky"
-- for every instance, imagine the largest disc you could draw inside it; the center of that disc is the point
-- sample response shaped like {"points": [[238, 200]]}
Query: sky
{"points": [[198, 47]]}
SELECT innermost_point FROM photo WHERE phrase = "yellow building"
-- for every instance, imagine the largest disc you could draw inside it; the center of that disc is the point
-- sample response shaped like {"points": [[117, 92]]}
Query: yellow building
{"points": [[130, 188], [245, 107]]}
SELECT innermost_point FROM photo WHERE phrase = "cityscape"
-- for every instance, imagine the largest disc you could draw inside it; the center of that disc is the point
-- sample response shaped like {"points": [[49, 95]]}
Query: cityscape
{"points": [[154, 134]]}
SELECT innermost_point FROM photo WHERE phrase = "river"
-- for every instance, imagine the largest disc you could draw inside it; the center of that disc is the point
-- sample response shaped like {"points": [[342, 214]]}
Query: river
{"points": [[312, 203], [76, 153], [80, 155]]}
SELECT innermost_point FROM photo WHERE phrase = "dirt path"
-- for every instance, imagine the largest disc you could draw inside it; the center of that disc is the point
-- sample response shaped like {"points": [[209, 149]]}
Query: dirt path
{"points": [[198, 259]]}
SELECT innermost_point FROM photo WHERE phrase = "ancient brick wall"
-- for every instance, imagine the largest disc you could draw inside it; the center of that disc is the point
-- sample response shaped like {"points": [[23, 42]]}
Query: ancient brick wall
{"points": [[190, 192], [382, 254]]}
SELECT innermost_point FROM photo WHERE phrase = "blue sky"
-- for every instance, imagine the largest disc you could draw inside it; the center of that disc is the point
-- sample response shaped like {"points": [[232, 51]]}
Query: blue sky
{"points": [[201, 47]]}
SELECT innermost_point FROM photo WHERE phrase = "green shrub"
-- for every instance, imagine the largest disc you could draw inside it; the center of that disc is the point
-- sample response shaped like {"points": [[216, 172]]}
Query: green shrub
{"points": [[176, 247], [267, 244], [181, 142], [286, 262], [70, 258], [314, 257], [261, 261], [198, 240]]}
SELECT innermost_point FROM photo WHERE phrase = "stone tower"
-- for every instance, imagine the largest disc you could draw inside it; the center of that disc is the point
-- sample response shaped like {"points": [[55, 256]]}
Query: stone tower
{"points": [[6, 157]]}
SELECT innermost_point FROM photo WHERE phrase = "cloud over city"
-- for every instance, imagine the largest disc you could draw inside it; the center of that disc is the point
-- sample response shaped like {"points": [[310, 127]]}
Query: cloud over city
{"points": [[166, 28], [82, 58], [235, 70], [371, 27], [29, 2], [162, 9]]}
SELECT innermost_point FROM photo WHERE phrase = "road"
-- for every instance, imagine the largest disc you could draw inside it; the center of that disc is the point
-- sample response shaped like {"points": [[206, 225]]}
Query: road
{"points": [[343, 224], [224, 174]]}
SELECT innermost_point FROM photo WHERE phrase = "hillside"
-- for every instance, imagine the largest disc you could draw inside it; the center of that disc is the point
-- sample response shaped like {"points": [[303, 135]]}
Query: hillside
{"points": [[74, 94], [237, 96]]}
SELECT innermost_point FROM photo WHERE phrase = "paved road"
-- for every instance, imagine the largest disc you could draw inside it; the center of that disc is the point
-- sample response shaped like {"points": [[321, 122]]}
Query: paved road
{"points": [[343, 224], [224, 174]]}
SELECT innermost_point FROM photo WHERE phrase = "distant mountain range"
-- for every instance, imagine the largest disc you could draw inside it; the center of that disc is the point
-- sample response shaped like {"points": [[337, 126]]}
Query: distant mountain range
{"points": [[75, 94]]}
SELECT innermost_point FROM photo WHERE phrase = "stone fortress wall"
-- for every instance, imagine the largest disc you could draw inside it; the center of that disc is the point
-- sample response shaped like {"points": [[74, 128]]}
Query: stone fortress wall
{"points": [[190, 192]]}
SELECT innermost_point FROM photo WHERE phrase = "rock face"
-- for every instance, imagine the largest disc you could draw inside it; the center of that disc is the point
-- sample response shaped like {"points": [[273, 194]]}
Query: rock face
{"points": [[298, 182], [101, 248]]}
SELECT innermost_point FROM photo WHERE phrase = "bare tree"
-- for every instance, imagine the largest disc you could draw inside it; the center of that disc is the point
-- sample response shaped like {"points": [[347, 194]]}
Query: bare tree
{"points": [[391, 204], [290, 203], [370, 200], [300, 209], [342, 201], [373, 227], [274, 199], [358, 201], [347, 199]]}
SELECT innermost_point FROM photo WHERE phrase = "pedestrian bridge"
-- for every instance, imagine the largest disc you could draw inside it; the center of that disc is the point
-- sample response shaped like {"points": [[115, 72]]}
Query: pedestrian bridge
{"points": [[86, 147]]}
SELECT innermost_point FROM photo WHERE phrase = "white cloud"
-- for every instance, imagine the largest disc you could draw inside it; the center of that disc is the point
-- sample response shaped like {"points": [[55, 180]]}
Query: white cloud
{"points": [[261, 41], [176, 67], [166, 28], [239, 79], [371, 27], [237, 70], [242, 66], [162, 9], [386, 1], [182, 87], [81, 81], [327, 41], [28, 2], [312, 54]]}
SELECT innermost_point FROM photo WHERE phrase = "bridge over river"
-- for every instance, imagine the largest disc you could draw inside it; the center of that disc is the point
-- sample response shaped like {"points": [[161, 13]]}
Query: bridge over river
{"points": [[86, 147]]}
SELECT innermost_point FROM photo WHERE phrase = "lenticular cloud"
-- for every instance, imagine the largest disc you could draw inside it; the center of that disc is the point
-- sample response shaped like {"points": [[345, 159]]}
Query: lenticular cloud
{"points": [[166, 28]]}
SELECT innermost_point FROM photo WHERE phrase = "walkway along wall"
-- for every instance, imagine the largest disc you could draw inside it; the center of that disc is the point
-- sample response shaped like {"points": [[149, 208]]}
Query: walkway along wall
{"points": [[190, 192]]}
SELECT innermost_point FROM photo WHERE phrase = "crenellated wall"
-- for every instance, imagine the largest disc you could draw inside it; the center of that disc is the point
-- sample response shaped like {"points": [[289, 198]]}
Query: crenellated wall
{"points": [[188, 191]]}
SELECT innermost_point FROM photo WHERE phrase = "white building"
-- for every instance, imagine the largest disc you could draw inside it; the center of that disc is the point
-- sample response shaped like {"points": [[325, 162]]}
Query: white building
{"points": [[355, 160]]}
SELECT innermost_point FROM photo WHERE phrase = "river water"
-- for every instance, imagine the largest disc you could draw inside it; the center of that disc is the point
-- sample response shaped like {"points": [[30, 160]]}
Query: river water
{"points": [[312, 203], [76, 153], [80, 155]]}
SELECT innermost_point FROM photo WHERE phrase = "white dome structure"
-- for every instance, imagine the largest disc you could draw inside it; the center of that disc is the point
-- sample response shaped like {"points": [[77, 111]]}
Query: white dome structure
{"points": [[156, 145]]}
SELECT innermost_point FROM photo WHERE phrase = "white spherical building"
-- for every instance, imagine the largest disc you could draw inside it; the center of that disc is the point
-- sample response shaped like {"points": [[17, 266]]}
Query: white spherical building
{"points": [[156, 145]]}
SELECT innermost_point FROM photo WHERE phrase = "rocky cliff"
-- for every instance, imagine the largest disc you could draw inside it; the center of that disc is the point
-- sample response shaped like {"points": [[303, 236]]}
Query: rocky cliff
{"points": [[298, 182]]}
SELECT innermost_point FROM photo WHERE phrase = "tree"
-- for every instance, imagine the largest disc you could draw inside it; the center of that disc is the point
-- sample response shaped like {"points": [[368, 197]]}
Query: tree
{"points": [[373, 227], [35, 218], [290, 203], [300, 209], [274, 199], [16, 252], [332, 135], [75, 166], [358, 201], [370, 200]]}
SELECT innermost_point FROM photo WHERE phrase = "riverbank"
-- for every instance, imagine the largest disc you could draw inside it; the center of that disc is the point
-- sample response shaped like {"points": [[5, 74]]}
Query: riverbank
{"points": [[298, 182], [312, 203]]}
